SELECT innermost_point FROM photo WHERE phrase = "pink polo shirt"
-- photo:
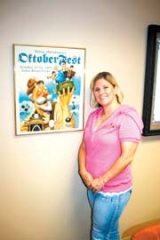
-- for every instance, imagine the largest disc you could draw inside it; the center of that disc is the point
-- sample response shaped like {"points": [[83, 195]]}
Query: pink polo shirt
{"points": [[103, 144]]}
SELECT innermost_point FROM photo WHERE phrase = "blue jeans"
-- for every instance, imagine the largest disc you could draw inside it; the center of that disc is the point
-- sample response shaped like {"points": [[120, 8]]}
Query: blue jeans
{"points": [[106, 211]]}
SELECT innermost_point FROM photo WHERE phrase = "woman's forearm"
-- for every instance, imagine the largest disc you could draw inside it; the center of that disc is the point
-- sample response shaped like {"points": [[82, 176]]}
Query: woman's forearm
{"points": [[84, 174], [81, 158], [128, 152]]}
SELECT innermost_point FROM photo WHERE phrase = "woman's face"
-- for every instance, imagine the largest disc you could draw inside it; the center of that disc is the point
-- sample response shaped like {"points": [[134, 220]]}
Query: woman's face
{"points": [[104, 92]]}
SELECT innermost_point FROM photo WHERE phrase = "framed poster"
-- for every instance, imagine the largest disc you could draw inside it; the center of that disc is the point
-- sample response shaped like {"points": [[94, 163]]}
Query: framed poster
{"points": [[151, 100], [49, 88]]}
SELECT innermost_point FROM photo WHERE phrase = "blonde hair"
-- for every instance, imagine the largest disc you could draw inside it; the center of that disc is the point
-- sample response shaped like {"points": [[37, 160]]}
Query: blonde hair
{"points": [[109, 78]]}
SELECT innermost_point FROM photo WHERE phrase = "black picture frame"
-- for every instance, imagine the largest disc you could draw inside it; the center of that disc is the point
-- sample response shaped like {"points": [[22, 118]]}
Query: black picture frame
{"points": [[151, 114]]}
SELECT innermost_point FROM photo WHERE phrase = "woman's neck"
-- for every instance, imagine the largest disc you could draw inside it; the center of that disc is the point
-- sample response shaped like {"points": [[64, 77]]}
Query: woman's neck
{"points": [[106, 113], [108, 110]]}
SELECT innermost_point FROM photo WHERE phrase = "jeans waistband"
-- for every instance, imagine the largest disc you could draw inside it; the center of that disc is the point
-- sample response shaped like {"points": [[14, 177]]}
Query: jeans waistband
{"points": [[114, 193]]}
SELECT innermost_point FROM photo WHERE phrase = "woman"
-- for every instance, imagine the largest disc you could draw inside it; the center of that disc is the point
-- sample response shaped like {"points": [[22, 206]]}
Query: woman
{"points": [[111, 137]]}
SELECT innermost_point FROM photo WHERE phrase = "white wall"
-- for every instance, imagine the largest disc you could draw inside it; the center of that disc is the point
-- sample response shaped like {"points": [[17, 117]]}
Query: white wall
{"points": [[42, 196]]}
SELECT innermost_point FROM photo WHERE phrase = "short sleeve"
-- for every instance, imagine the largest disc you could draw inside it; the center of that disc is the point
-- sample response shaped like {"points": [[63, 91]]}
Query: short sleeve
{"points": [[130, 129]]}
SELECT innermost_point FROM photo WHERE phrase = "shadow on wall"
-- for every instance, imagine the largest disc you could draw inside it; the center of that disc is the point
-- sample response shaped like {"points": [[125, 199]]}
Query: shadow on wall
{"points": [[80, 208]]}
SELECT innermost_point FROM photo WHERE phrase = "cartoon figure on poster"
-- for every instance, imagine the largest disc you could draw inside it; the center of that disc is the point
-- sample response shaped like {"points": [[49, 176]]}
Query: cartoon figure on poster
{"points": [[50, 103]]}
